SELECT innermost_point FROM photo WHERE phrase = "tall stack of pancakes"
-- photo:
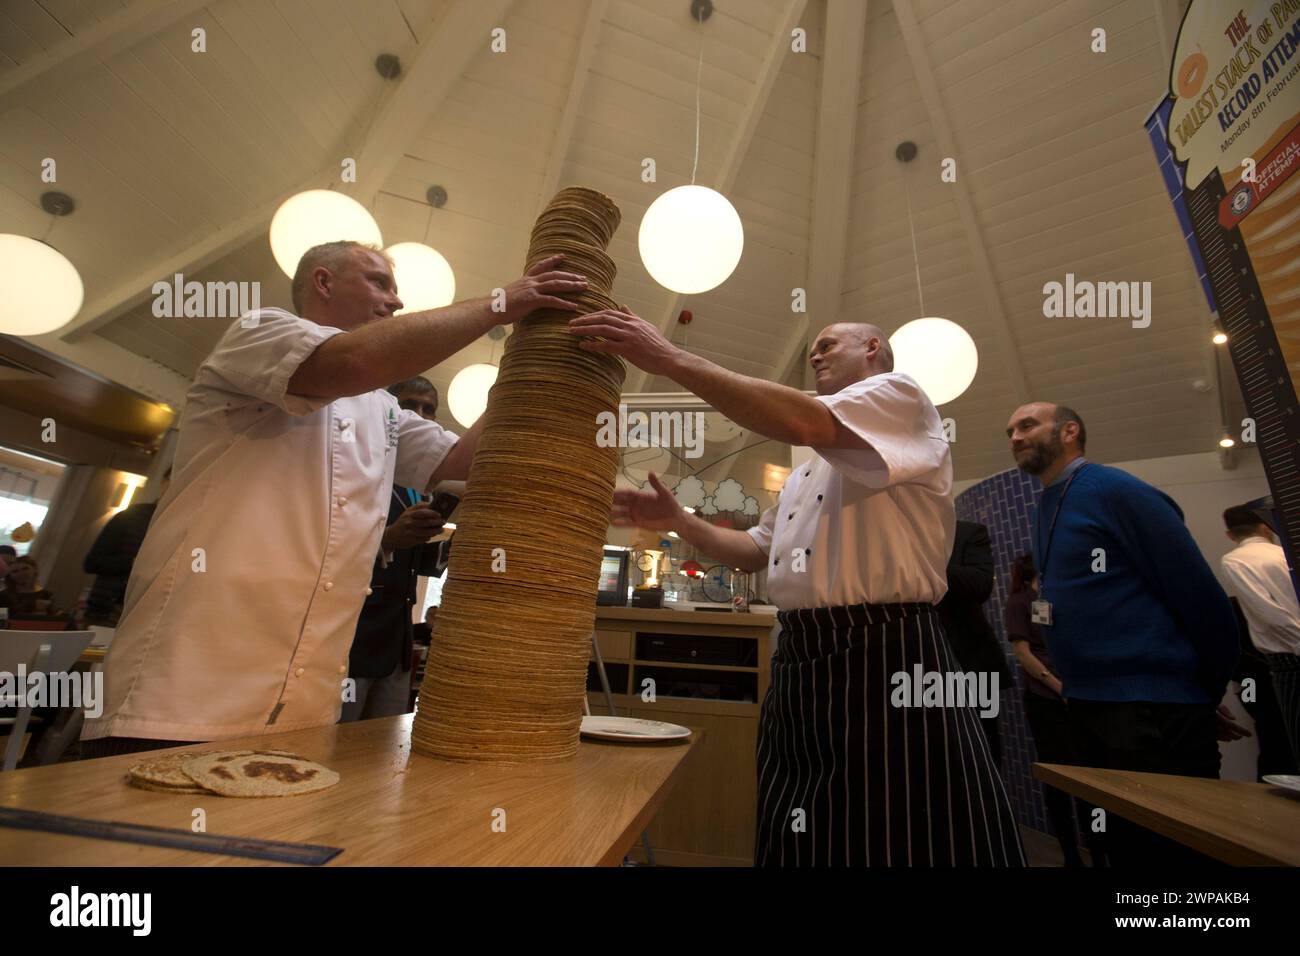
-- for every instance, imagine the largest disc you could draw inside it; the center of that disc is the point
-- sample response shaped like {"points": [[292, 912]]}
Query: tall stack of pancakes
{"points": [[508, 665]]}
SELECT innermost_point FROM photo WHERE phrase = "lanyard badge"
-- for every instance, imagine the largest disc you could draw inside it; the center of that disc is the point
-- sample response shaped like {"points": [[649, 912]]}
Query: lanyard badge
{"points": [[1040, 611]]}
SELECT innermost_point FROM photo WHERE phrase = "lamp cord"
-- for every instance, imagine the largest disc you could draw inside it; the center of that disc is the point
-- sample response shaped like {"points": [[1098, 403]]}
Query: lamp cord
{"points": [[911, 228], [699, 71]]}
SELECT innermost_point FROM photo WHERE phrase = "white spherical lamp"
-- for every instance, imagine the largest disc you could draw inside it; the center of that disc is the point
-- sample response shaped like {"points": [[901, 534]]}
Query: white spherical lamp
{"points": [[42, 289], [691, 239], [316, 216], [939, 354], [424, 277], [467, 397]]}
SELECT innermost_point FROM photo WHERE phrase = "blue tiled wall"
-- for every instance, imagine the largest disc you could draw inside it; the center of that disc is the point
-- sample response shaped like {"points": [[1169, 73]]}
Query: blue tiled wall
{"points": [[1005, 504]]}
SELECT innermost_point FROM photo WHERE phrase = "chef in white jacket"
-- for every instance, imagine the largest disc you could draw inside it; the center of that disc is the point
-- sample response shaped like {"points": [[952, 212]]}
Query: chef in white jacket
{"points": [[856, 549], [243, 601]]}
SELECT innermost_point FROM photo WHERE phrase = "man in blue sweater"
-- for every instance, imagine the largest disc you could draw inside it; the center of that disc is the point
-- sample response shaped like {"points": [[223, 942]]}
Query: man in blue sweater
{"points": [[1140, 630]]}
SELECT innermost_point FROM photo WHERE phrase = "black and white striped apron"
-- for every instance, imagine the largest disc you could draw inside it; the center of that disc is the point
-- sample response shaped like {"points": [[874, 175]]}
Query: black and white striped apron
{"points": [[878, 785]]}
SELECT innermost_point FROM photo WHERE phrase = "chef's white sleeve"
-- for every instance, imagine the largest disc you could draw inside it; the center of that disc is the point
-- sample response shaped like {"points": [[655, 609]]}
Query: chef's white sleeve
{"points": [[762, 532], [421, 447], [894, 417], [259, 354]]}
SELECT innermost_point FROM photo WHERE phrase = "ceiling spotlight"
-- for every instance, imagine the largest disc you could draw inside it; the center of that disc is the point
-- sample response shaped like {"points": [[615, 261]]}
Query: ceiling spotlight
{"points": [[1219, 338], [1226, 441]]}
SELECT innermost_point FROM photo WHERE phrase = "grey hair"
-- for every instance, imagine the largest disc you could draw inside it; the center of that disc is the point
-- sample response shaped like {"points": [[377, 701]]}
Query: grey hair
{"points": [[332, 256]]}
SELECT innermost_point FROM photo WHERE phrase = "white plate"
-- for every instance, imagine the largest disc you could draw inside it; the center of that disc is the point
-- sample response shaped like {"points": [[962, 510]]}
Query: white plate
{"points": [[632, 728], [1288, 780]]}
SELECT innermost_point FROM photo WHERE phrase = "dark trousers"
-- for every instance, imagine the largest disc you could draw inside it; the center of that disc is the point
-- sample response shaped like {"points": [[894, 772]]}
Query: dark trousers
{"points": [[1049, 722], [1148, 737], [1271, 733], [1285, 671]]}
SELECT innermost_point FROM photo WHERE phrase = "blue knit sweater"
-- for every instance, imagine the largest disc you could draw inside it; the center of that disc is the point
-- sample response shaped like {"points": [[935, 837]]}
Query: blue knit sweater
{"points": [[1154, 625]]}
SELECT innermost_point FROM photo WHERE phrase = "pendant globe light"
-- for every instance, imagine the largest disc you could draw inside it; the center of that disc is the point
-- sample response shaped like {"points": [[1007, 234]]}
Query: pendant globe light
{"points": [[467, 396], [938, 353], [318, 215], [42, 289], [691, 238], [424, 276]]}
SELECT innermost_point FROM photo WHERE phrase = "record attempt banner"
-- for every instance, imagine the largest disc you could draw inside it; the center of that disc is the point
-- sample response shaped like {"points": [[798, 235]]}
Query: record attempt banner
{"points": [[1228, 140]]}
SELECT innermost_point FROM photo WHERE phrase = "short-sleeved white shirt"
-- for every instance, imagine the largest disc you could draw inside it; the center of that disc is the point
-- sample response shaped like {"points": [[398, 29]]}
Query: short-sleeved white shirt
{"points": [[873, 525], [243, 601]]}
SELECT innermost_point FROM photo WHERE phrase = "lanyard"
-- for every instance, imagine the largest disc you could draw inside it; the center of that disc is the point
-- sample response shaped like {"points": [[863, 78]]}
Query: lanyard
{"points": [[1051, 531], [411, 497]]}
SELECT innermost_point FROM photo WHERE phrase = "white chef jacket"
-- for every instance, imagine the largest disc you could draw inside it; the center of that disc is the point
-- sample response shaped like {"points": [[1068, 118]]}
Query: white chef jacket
{"points": [[243, 601], [1257, 575], [871, 525]]}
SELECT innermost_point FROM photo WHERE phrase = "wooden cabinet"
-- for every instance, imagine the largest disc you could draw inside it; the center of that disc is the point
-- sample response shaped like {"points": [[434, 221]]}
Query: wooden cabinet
{"points": [[708, 818]]}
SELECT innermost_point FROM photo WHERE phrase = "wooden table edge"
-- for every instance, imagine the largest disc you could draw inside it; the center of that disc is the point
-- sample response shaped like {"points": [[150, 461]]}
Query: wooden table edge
{"points": [[1211, 844], [627, 839]]}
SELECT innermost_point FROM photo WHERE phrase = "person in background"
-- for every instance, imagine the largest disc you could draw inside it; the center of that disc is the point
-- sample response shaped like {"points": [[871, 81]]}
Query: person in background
{"points": [[23, 593], [1257, 574], [1260, 702], [1045, 710], [380, 660], [7, 554], [422, 633], [969, 634], [111, 556], [1139, 629]]}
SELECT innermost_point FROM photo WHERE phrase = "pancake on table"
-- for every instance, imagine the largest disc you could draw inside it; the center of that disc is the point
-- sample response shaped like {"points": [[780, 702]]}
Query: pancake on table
{"points": [[243, 773], [167, 773]]}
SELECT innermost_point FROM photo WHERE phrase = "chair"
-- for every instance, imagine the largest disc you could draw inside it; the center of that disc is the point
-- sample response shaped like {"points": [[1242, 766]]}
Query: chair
{"points": [[35, 651]]}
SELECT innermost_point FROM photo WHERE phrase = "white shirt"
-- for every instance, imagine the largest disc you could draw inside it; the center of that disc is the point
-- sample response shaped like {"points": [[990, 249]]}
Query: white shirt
{"points": [[243, 601], [872, 525], [1257, 575]]}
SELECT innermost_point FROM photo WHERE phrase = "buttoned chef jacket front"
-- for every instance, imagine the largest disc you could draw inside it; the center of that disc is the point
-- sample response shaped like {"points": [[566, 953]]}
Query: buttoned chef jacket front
{"points": [[866, 526], [244, 598]]}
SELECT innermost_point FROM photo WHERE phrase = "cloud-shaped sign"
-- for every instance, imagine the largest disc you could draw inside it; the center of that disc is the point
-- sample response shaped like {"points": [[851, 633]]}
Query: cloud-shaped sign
{"points": [[689, 492], [729, 495]]}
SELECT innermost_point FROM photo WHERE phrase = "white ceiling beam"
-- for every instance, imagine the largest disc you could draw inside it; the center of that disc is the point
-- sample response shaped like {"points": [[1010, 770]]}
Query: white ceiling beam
{"points": [[942, 128], [837, 118], [438, 63], [462, 33], [577, 85], [91, 47], [771, 68], [132, 292]]}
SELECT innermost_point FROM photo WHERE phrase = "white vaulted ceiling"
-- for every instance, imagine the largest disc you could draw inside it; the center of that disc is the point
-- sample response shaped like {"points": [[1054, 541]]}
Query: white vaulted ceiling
{"points": [[178, 159]]}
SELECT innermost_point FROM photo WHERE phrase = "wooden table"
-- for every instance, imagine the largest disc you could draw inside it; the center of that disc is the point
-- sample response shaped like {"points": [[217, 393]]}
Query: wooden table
{"points": [[391, 808], [1244, 824]]}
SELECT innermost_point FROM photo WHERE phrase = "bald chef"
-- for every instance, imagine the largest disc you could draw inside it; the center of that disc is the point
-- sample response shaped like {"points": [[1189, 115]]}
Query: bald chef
{"points": [[856, 549], [243, 602]]}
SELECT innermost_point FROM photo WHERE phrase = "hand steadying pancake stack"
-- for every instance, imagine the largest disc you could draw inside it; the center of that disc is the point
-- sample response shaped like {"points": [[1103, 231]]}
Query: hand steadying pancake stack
{"points": [[508, 665]]}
